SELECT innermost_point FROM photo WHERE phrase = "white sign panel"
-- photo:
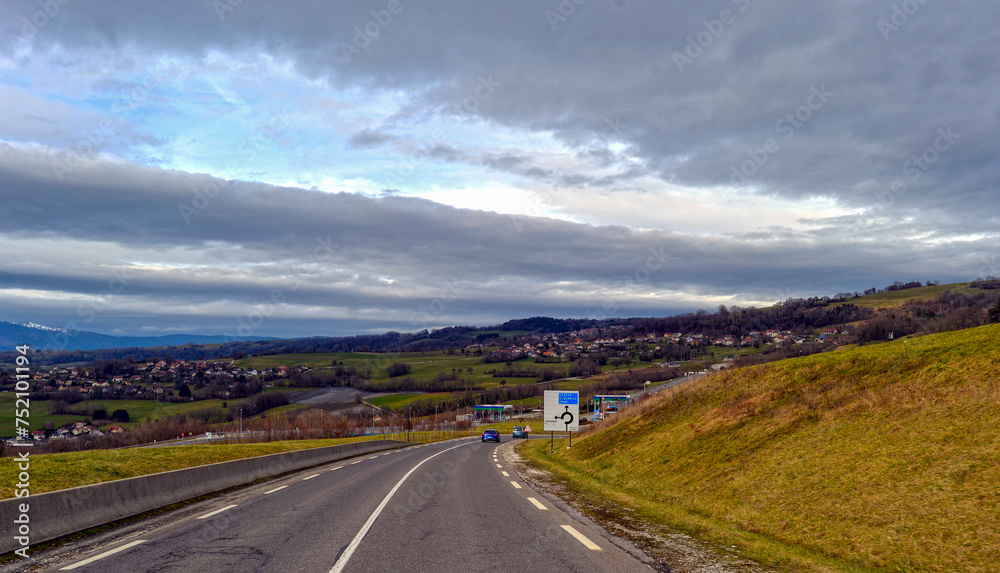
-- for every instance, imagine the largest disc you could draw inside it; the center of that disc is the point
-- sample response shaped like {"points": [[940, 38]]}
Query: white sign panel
{"points": [[562, 411]]}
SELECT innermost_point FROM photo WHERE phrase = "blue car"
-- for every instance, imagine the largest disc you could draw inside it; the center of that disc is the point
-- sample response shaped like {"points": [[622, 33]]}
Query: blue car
{"points": [[491, 435], [518, 433]]}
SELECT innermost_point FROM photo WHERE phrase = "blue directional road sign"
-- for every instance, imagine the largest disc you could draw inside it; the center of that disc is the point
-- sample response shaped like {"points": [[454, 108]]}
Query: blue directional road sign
{"points": [[562, 411]]}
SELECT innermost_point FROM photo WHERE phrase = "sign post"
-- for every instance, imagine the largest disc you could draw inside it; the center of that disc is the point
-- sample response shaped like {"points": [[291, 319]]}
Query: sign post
{"points": [[562, 414]]}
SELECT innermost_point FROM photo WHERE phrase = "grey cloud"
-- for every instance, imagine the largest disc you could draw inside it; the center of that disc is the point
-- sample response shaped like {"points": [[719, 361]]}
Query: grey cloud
{"points": [[504, 162], [370, 138], [239, 226], [444, 152], [891, 92], [845, 111]]}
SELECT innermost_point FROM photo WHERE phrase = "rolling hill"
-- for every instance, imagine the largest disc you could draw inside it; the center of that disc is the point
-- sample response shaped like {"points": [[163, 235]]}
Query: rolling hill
{"points": [[878, 458]]}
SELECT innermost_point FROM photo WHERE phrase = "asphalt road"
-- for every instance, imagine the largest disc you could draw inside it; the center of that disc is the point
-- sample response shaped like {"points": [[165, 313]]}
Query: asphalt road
{"points": [[454, 506]]}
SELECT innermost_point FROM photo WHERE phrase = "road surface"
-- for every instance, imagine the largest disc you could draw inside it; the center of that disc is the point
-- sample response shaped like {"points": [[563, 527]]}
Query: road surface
{"points": [[453, 506]]}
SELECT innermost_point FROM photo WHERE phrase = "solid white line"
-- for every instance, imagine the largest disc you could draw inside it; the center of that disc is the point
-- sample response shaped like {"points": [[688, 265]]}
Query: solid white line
{"points": [[207, 515], [102, 555], [349, 550], [538, 504], [582, 538], [516, 485], [275, 489], [505, 474], [310, 477]]}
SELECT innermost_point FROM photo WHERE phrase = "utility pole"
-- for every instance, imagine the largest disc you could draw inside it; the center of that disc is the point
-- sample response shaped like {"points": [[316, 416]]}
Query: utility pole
{"points": [[241, 421]]}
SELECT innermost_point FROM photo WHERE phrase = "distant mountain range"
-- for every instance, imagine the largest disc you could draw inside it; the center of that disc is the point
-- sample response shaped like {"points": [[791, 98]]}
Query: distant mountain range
{"points": [[41, 337]]}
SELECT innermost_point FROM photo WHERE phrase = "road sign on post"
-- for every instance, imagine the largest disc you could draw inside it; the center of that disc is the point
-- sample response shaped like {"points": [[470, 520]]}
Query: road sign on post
{"points": [[562, 411]]}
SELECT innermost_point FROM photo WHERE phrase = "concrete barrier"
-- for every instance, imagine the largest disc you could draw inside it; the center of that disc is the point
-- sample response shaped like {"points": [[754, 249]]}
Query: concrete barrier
{"points": [[58, 513]]}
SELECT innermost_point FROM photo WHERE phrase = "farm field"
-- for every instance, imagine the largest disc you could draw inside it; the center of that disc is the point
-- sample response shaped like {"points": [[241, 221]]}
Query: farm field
{"points": [[138, 411], [396, 401], [423, 365]]}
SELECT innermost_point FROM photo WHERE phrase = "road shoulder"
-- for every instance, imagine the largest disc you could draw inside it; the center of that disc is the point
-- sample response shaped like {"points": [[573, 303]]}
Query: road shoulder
{"points": [[653, 544]]}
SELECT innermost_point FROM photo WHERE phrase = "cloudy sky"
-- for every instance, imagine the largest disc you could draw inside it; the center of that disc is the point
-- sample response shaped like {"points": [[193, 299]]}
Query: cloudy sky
{"points": [[322, 168]]}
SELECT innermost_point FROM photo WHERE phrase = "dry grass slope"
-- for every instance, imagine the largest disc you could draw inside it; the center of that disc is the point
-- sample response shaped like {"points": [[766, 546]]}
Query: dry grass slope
{"points": [[885, 457]]}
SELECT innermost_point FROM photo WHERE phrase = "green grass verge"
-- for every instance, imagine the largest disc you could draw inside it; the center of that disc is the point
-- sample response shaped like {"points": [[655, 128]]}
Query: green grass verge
{"points": [[884, 457], [52, 472]]}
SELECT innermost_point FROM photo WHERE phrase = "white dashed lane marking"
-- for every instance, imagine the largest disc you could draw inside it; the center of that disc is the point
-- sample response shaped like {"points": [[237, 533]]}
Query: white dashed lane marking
{"points": [[538, 504], [582, 538], [216, 512], [515, 484], [102, 555], [275, 489], [310, 477]]}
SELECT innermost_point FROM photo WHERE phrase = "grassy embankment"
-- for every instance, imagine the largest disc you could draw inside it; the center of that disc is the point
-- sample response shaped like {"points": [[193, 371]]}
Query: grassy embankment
{"points": [[896, 298], [879, 458], [52, 472]]}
